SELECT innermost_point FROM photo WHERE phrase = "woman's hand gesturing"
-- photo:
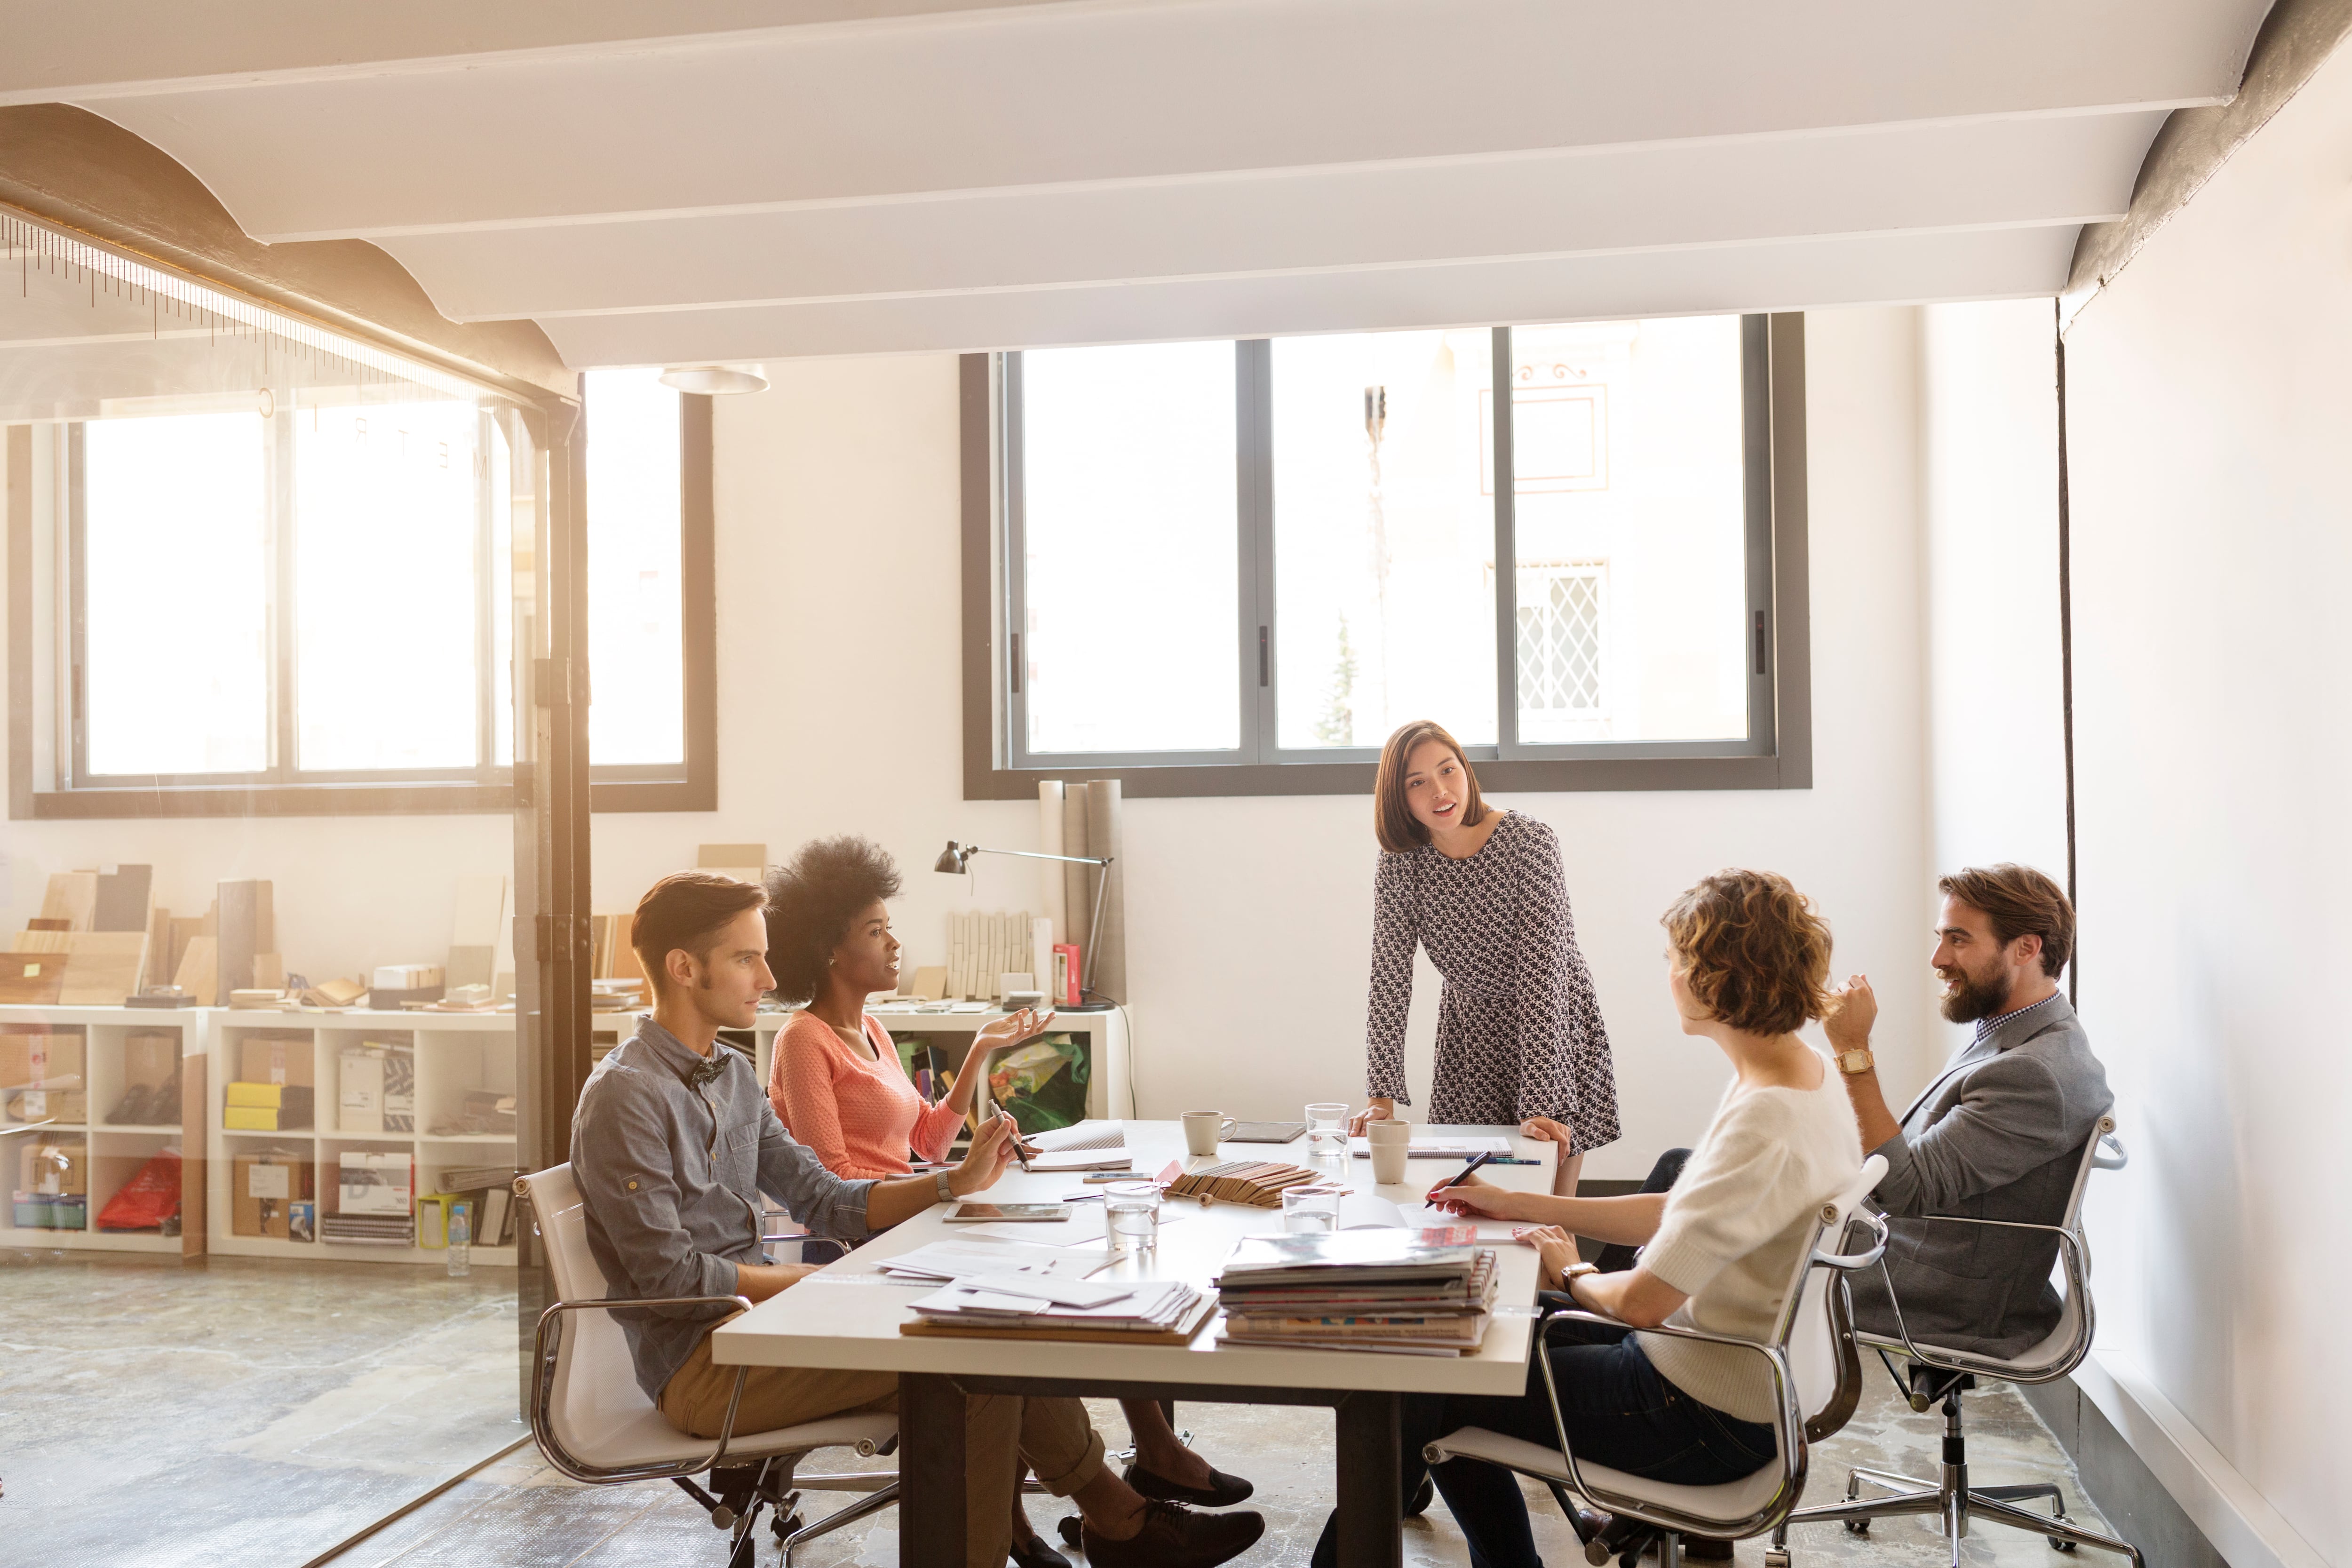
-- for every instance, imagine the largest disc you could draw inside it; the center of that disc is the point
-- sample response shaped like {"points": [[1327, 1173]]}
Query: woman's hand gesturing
{"points": [[1013, 1028]]}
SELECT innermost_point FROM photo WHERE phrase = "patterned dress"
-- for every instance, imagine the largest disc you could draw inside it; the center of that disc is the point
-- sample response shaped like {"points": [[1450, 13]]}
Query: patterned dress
{"points": [[1518, 1029]]}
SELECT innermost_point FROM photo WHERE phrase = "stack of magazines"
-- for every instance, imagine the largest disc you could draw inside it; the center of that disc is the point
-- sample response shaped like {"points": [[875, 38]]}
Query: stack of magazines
{"points": [[1389, 1290], [375, 1230]]}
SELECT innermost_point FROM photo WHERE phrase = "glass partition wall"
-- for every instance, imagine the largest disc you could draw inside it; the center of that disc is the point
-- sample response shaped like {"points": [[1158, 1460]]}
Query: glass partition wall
{"points": [[280, 600]]}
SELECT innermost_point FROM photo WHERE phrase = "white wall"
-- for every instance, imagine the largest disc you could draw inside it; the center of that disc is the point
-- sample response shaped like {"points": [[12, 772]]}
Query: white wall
{"points": [[2210, 402], [1995, 726], [1250, 920]]}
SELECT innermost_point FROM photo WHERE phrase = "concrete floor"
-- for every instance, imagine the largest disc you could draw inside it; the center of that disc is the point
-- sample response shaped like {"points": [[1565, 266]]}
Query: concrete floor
{"points": [[236, 1412], [521, 1513]]}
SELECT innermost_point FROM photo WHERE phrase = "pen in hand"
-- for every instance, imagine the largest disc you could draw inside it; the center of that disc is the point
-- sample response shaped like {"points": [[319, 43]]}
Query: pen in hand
{"points": [[1461, 1176]]}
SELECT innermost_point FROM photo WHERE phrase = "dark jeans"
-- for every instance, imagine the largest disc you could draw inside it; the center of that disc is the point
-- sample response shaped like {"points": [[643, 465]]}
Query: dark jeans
{"points": [[1618, 1410]]}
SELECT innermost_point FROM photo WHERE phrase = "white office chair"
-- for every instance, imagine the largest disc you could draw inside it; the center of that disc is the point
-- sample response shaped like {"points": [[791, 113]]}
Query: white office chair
{"points": [[1942, 1374], [593, 1423], [1816, 1381]]}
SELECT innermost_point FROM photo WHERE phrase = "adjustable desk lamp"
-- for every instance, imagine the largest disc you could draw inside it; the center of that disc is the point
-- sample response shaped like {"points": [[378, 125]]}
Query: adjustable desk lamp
{"points": [[955, 861]]}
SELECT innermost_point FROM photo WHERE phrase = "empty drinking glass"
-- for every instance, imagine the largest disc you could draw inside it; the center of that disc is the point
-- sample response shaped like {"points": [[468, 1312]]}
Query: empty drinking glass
{"points": [[1132, 1217], [1310, 1210]]}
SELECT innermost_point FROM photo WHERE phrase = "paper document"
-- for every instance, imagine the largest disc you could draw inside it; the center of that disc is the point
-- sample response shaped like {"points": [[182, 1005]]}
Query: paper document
{"points": [[960, 1259], [1066, 1160], [1080, 1135], [1437, 1147]]}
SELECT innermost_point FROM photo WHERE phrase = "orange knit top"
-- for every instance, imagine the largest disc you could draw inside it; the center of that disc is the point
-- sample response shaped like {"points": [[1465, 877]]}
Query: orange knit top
{"points": [[854, 1109]]}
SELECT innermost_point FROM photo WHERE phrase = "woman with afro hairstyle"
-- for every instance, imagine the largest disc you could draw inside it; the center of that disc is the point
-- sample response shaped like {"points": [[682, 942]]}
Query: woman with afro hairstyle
{"points": [[837, 1083], [838, 1088]]}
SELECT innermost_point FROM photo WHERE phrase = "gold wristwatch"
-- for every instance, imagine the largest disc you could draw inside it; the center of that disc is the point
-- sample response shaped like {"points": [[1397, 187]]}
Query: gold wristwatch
{"points": [[1572, 1272], [1855, 1062]]}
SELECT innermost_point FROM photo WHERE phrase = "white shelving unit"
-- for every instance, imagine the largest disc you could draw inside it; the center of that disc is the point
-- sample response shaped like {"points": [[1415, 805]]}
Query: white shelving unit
{"points": [[454, 1052], [115, 1152]]}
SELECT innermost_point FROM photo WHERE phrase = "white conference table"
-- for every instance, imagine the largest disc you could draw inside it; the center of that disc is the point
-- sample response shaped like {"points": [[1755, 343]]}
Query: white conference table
{"points": [[848, 1316]]}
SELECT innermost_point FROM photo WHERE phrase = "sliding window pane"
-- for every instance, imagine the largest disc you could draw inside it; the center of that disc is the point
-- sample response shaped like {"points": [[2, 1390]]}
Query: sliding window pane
{"points": [[387, 509], [636, 714], [1384, 537], [176, 585], [1628, 458], [1131, 577]]}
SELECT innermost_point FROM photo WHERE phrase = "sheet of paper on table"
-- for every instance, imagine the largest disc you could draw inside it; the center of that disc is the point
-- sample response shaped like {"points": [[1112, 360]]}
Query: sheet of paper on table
{"points": [[1435, 1148], [1083, 1228], [1065, 1159]]}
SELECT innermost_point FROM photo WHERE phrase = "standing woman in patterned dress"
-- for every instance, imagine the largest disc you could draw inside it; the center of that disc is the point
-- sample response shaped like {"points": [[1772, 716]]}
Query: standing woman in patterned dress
{"points": [[1519, 1035]]}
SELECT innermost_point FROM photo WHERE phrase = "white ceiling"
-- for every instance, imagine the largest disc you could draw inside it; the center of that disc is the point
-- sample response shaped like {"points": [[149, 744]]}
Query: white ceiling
{"points": [[767, 178]]}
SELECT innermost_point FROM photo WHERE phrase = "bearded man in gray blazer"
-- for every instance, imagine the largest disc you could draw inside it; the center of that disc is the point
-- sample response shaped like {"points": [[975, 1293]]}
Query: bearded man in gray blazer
{"points": [[1998, 1134]]}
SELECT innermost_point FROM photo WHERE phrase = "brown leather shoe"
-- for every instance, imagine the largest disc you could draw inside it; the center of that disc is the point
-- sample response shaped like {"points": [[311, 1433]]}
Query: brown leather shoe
{"points": [[1223, 1490], [1173, 1536]]}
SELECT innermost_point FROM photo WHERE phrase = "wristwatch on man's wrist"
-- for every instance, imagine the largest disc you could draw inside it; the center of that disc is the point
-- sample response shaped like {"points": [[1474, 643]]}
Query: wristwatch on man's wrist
{"points": [[947, 1189], [1855, 1062]]}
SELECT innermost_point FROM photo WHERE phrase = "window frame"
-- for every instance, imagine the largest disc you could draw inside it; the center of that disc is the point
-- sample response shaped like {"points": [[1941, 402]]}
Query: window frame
{"points": [[71, 792], [1777, 754]]}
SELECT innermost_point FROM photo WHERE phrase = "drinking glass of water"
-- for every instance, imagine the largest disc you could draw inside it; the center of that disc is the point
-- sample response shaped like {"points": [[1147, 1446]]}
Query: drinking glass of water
{"points": [[1132, 1217], [1310, 1210], [1327, 1132]]}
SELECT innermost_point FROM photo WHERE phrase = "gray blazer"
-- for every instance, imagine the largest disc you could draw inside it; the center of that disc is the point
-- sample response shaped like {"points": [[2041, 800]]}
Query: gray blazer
{"points": [[1998, 1134]]}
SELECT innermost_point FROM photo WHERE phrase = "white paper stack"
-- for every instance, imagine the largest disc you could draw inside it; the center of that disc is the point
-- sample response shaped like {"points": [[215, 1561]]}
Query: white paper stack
{"points": [[1037, 1301], [942, 1261]]}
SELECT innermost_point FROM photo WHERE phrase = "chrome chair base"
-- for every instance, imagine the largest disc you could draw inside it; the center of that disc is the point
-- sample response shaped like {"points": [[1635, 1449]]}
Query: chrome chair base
{"points": [[1950, 1501], [800, 1535]]}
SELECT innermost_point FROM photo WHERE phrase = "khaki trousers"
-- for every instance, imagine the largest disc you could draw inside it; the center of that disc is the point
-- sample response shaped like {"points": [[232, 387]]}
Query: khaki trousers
{"points": [[1003, 1433]]}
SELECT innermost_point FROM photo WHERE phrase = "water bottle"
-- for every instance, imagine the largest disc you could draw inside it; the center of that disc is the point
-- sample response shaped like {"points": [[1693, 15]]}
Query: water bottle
{"points": [[461, 1236]]}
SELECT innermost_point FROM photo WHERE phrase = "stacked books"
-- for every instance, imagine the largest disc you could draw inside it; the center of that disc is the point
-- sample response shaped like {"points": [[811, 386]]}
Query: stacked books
{"points": [[1023, 1303], [372, 1230], [1257, 1183], [616, 995], [1393, 1291]]}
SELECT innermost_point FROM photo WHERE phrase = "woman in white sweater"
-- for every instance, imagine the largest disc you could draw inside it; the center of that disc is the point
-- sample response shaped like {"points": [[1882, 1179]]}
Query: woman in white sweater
{"points": [[1748, 960]]}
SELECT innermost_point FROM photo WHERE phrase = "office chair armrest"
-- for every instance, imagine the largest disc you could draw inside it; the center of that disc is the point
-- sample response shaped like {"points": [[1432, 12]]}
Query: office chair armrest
{"points": [[2070, 1255], [2101, 1161], [543, 1361], [1852, 1260], [1788, 1421]]}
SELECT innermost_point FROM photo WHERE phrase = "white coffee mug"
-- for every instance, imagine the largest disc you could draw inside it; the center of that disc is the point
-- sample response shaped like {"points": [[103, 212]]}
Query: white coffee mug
{"points": [[1391, 1144], [1204, 1130]]}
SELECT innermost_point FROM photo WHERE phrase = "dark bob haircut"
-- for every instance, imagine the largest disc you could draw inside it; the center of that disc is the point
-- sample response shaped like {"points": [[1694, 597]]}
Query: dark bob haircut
{"points": [[1394, 823], [1752, 950], [812, 903]]}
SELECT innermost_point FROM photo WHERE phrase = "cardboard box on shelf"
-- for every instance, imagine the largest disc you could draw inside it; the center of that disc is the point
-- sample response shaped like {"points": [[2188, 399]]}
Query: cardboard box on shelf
{"points": [[54, 1167], [264, 1188], [68, 1106], [376, 1183], [150, 1058], [279, 1056], [41, 1059]]}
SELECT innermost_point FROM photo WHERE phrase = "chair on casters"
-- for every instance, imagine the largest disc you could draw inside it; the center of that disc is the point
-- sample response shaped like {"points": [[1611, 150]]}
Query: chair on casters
{"points": [[593, 1423], [1816, 1382], [1937, 1373]]}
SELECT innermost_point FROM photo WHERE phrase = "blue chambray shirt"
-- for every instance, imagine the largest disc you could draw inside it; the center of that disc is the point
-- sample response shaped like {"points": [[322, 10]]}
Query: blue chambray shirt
{"points": [[670, 1170]]}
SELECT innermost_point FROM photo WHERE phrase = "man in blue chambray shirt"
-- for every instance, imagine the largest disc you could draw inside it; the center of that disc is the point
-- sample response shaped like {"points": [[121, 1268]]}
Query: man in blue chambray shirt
{"points": [[672, 1144]]}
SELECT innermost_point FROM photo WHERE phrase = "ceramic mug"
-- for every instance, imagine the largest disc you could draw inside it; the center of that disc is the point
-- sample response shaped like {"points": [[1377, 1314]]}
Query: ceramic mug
{"points": [[1204, 1130]]}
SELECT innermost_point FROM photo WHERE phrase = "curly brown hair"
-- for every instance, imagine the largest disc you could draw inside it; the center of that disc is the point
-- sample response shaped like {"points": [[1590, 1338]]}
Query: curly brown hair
{"points": [[1752, 950], [813, 901]]}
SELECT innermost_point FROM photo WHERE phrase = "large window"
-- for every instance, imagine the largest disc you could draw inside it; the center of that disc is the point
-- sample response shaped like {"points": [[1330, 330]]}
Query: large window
{"points": [[1235, 567], [260, 594]]}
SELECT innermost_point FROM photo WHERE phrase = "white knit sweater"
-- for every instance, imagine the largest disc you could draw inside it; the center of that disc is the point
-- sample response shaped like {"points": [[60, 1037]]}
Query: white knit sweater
{"points": [[1734, 1225]]}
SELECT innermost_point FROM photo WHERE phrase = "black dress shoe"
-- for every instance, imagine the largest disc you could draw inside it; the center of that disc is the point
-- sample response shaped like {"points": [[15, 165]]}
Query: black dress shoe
{"points": [[1173, 1536], [1223, 1490], [1028, 1551]]}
